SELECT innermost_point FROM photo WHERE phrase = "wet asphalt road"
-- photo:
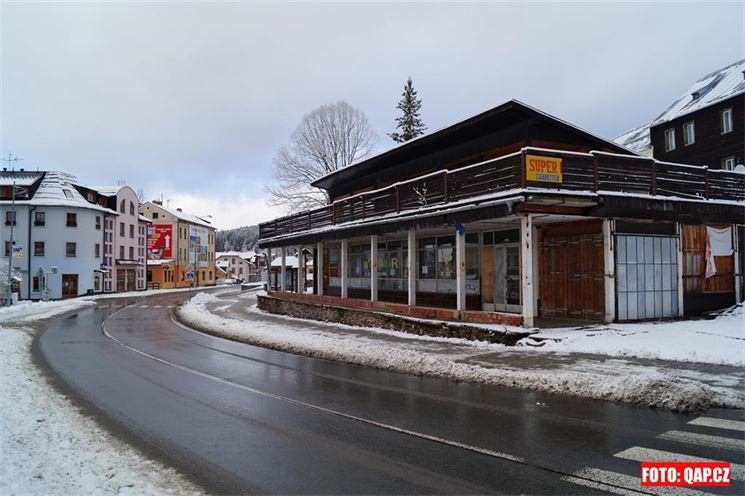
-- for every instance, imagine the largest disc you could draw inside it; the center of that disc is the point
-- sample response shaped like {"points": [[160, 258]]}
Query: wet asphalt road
{"points": [[243, 419]]}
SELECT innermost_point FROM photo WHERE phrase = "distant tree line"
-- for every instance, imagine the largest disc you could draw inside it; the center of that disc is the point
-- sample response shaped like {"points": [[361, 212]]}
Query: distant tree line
{"points": [[243, 238]]}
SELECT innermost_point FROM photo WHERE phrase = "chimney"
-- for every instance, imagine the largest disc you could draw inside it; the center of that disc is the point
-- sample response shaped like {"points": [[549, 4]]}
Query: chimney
{"points": [[158, 202]]}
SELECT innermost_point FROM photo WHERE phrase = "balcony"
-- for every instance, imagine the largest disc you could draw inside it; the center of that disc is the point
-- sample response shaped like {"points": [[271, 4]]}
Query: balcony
{"points": [[596, 173]]}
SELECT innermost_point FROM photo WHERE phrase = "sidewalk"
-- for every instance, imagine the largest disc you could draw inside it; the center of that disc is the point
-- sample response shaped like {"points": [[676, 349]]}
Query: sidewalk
{"points": [[560, 361]]}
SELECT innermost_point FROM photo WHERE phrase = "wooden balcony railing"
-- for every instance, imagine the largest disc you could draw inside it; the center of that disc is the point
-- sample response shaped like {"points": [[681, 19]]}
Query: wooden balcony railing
{"points": [[595, 172]]}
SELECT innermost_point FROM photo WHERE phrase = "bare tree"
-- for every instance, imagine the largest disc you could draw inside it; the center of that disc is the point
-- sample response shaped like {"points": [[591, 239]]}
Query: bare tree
{"points": [[328, 139]]}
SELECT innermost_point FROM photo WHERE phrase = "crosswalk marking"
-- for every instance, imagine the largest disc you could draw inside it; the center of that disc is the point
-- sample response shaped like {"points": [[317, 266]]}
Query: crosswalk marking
{"points": [[624, 484], [704, 440], [734, 425], [652, 455]]}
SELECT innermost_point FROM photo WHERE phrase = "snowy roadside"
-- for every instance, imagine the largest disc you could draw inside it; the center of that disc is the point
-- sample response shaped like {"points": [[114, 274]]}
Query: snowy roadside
{"points": [[47, 446], [644, 383]]}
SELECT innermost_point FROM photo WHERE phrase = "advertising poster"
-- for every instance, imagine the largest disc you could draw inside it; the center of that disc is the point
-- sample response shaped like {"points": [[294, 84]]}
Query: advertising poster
{"points": [[160, 241]]}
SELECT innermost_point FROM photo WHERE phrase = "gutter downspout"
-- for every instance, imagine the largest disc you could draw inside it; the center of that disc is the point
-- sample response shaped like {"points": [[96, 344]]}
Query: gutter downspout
{"points": [[30, 250]]}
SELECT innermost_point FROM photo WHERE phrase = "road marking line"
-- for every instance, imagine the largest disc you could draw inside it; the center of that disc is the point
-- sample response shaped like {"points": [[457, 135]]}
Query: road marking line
{"points": [[144, 306], [639, 454], [476, 449], [704, 440], [157, 306], [734, 425], [629, 483]]}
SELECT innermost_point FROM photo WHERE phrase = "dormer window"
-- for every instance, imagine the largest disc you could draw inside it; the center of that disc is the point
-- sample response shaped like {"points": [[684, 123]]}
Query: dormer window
{"points": [[689, 133], [669, 139], [68, 194]]}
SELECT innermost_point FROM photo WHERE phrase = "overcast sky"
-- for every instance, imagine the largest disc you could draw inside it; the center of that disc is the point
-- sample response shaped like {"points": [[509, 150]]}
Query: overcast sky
{"points": [[192, 99]]}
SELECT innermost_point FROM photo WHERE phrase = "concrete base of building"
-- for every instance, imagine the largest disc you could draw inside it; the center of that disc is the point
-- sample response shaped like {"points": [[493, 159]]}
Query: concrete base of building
{"points": [[394, 317]]}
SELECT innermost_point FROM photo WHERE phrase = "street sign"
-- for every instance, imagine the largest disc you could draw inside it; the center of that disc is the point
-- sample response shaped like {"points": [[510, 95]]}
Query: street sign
{"points": [[190, 276], [18, 252]]}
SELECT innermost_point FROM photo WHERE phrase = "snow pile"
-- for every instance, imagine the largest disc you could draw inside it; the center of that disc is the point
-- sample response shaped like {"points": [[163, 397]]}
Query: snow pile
{"points": [[27, 311], [48, 447], [413, 355], [717, 341]]}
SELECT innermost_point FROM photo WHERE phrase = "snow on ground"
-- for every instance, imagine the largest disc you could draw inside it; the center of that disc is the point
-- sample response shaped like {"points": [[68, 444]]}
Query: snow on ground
{"points": [[717, 341], [47, 446], [27, 311], [597, 377]]}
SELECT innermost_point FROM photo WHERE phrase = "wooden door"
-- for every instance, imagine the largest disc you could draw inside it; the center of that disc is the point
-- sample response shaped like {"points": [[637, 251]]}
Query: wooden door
{"points": [[69, 285], [571, 271]]}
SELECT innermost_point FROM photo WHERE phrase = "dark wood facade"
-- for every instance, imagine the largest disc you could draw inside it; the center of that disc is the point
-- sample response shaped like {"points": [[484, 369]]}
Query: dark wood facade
{"points": [[711, 144]]}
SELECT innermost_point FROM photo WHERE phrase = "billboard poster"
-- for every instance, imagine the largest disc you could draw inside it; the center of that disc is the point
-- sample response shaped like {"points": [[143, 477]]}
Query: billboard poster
{"points": [[198, 246], [160, 241]]}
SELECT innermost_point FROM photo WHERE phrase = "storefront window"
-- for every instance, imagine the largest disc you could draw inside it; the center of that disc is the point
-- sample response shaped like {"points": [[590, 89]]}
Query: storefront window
{"points": [[393, 265], [427, 258], [334, 265], [446, 257], [359, 266]]}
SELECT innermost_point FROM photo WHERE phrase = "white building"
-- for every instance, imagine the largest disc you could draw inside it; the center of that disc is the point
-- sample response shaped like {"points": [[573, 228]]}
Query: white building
{"points": [[58, 233], [126, 241], [238, 264]]}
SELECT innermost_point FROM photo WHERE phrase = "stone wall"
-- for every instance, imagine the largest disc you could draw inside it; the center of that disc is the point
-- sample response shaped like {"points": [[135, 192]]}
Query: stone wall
{"points": [[367, 315]]}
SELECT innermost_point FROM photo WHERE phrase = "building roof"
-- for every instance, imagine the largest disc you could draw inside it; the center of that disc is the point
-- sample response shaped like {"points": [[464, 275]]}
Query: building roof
{"points": [[246, 255], [107, 190], [290, 261], [637, 139], [509, 111], [59, 189], [179, 214], [719, 85], [20, 178]]}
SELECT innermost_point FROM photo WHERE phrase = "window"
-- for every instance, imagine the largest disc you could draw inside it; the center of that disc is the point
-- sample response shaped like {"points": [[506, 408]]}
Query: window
{"points": [[40, 219], [97, 251], [68, 194], [98, 222], [393, 262], [123, 206], [446, 257], [72, 220], [71, 249], [35, 284], [121, 253], [38, 248], [669, 140], [121, 229], [131, 253], [155, 215], [689, 133], [132, 231], [131, 208], [726, 121], [10, 218], [728, 163]]}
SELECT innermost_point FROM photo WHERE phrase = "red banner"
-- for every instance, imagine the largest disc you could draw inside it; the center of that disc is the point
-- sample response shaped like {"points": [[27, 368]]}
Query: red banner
{"points": [[160, 241]]}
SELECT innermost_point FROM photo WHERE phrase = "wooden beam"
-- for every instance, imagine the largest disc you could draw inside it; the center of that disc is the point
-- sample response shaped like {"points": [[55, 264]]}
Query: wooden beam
{"points": [[412, 266], [318, 274]]}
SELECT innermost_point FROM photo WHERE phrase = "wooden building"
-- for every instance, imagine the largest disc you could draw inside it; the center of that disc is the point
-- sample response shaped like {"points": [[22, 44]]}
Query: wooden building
{"points": [[513, 215]]}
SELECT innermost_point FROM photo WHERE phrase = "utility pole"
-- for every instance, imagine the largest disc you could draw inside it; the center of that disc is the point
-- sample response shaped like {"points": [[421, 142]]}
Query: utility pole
{"points": [[11, 163]]}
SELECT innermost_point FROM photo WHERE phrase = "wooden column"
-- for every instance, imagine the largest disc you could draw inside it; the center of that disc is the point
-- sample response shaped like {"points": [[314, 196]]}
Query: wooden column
{"points": [[460, 267], [374, 268], [344, 267], [318, 273], [412, 267], [736, 254], [283, 255], [300, 271], [526, 259], [609, 270], [681, 288]]}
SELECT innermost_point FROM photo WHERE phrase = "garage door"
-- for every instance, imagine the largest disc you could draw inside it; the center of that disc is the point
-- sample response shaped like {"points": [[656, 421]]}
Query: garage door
{"points": [[646, 277], [571, 271]]}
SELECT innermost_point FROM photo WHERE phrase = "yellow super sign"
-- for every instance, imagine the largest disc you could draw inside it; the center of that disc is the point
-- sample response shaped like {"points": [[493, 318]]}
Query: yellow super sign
{"points": [[543, 169]]}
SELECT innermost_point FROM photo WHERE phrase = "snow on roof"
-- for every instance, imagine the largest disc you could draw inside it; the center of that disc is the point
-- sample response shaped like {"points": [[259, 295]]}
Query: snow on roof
{"points": [[184, 216], [21, 178], [107, 190], [163, 261], [144, 219], [58, 189], [637, 139], [243, 254], [710, 89], [290, 261]]}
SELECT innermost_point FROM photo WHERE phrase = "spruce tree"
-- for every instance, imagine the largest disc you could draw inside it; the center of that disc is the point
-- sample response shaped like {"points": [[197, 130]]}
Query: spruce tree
{"points": [[410, 124]]}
